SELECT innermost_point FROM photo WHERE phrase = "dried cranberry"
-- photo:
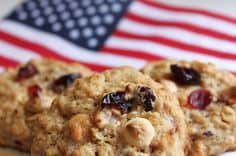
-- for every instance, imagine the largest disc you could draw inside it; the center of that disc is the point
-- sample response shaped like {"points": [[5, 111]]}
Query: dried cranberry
{"points": [[185, 76], [64, 81], [117, 100], [26, 72], [34, 90], [199, 99], [147, 98]]}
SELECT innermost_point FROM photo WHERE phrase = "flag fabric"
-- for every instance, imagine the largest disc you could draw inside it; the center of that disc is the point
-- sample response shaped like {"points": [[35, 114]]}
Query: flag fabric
{"points": [[108, 33]]}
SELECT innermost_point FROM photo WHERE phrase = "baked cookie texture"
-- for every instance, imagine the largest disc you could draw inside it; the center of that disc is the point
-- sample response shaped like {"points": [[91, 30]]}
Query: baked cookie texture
{"points": [[207, 96], [30, 89], [119, 112]]}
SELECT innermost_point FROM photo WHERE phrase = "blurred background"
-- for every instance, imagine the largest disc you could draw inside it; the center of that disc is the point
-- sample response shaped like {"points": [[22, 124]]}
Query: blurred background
{"points": [[227, 7], [108, 33], [122, 32]]}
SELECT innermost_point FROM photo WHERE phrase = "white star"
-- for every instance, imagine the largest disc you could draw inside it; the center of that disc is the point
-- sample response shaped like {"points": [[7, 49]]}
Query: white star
{"points": [[65, 15], [85, 3], [103, 8], [44, 3], [56, 27], [91, 10], [31, 5], [109, 19], [78, 13], [52, 18], [87, 32], [100, 31], [35, 13], [74, 34], [48, 10], [55, 2], [73, 5], [83, 21], [93, 42], [39, 21], [98, 1], [61, 7], [96, 20], [116, 7], [70, 24]]}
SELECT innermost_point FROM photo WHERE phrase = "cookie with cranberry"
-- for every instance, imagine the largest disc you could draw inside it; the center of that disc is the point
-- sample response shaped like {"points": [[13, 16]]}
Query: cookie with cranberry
{"points": [[30, 89], [119, 112], [208, 98]]}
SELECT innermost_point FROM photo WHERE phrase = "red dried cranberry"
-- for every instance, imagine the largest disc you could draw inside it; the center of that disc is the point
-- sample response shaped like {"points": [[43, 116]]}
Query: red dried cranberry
{"points": [[117, 100], [185, 76], [147, 98], [34, 90], [199, 99], [64, 81], [26, 72]]}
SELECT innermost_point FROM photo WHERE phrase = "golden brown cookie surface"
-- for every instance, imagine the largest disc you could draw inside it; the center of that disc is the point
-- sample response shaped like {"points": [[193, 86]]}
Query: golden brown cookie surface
{"points": [[30, 89], [208, 98], [120, 112]]}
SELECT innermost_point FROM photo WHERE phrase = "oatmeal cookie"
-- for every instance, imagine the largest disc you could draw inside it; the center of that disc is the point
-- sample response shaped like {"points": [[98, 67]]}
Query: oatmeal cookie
{"points": [[30, 89], [208, 98], [119, 112]]}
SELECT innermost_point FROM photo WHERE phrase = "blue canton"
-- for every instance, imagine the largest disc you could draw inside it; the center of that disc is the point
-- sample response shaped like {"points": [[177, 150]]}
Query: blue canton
{"points": [[87, 23]]}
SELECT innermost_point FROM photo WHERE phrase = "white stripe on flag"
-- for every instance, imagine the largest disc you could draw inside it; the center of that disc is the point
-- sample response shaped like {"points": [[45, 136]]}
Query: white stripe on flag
{"points": [[168, 52], [178, 35], [16, 53], [146, 11], [1, 69], [67, 49]]}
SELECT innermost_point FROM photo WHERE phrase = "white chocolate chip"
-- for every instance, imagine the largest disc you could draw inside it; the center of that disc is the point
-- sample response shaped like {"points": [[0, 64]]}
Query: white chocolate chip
{"points": [[102, 118], [228, 115], [38, 104], [79, 126], [138, 132], [171, 86]]}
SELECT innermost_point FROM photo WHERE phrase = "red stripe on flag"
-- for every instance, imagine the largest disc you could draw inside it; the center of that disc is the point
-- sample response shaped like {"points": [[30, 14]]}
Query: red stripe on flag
{"points": [[6, 62], [181, 25], [45, 51], [176, 44], [96, 67], [131, 53], [41, 50], [188, 10]]}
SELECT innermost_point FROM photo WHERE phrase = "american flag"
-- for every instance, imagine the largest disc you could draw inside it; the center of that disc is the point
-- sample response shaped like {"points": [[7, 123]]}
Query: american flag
{"points": [[108, 33]]}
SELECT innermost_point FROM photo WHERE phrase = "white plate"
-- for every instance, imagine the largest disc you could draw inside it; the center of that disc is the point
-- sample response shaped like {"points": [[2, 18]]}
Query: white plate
{"points": [[7, 152]]}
